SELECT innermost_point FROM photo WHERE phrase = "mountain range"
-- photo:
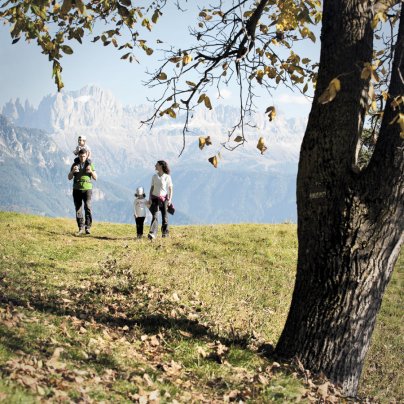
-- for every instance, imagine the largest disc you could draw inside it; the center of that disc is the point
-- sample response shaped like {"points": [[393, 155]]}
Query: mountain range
{"points": [[37, 146]]}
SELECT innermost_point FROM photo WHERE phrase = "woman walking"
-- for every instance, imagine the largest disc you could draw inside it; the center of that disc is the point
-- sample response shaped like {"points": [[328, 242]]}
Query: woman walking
{"points": [[160, 197]]}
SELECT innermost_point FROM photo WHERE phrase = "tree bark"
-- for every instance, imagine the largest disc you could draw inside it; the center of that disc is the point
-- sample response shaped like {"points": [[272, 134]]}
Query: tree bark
{"points": [[350, 223]]}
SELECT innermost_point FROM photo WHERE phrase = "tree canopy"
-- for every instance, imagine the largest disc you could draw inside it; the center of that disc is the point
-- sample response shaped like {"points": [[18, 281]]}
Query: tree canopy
{"points": [[250, 42]]}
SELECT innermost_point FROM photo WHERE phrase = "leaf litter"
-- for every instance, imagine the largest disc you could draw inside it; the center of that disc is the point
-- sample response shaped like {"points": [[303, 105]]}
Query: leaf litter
{"points": [[120, 329]]}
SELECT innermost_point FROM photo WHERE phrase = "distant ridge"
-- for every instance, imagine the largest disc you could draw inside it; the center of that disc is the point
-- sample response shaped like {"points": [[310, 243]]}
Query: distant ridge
{"points": [[246, 187]]}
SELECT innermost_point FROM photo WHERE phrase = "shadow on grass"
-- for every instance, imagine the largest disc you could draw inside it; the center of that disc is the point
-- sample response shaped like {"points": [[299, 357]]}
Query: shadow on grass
{"points": [[112, 238], [150, 323], [13, 341], [90, 236]]}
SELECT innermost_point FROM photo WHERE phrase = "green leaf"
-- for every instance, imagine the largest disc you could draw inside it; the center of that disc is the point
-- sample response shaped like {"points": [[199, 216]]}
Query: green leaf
{"points": [[56, 73], [146, 23], [312, 36], [156, 16], [81, 7], [206, 100], [67, 49], [171, 112], [123, 11], [201, 98], [66, 7]]}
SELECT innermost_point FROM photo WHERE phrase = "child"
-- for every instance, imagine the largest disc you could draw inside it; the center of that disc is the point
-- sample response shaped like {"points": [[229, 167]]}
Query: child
{"points": [[139, 210], [82, 145]]}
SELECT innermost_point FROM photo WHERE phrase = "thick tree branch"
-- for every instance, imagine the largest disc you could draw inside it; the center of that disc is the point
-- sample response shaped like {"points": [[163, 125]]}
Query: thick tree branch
{"points": [[387, 163]]}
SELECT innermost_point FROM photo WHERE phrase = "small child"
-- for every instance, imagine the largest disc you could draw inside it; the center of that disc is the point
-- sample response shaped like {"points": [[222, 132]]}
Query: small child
{"points": [[139, 210], [82, 145]]}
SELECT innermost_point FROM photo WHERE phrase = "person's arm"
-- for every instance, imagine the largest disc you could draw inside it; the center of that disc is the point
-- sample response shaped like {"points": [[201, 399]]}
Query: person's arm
{"points": [[91, 173], [170, 191], [73, 170], [151, 189], [151, 193]]}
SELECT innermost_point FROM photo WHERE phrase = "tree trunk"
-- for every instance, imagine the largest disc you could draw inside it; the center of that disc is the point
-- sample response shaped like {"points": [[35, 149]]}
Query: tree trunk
{"points": [[350, 223]]}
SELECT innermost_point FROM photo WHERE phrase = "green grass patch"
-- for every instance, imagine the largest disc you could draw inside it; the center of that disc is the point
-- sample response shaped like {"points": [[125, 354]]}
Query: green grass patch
{"points": [[116, 319]]}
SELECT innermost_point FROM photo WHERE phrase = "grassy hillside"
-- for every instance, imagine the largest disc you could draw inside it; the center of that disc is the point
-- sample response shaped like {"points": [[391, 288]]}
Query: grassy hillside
{"points": [[189, 318]]}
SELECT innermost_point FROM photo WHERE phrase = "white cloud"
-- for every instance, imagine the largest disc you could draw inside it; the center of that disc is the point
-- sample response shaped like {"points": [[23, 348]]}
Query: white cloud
{"points": [[225, 94], [292, 99]]}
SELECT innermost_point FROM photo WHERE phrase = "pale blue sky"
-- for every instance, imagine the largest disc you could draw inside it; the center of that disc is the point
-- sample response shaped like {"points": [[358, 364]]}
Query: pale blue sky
{"points": [[25, 73]]}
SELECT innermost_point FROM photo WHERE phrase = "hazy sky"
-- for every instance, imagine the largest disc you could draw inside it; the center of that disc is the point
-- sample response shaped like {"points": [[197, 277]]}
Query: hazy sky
{"points": [[25, 73]]}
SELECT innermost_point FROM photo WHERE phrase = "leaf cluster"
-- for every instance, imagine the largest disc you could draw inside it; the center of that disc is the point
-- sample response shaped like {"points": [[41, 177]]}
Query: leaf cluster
{"points": [[247, 42], [56, 25]]}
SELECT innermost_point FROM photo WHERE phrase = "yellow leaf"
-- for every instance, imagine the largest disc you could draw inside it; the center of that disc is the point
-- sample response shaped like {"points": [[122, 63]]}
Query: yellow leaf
{"points": [[330, 92], [202, 142], [213, 160], [380, 16], [304, 32], [261, 145], [373, 105], [260, 75], [271, 113], [206, 100], [271, 72], [238, 139], [162, 76], [336, 83], [399, 118], [375, 76], [396, 102], [186, 59], [191, 83]]}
